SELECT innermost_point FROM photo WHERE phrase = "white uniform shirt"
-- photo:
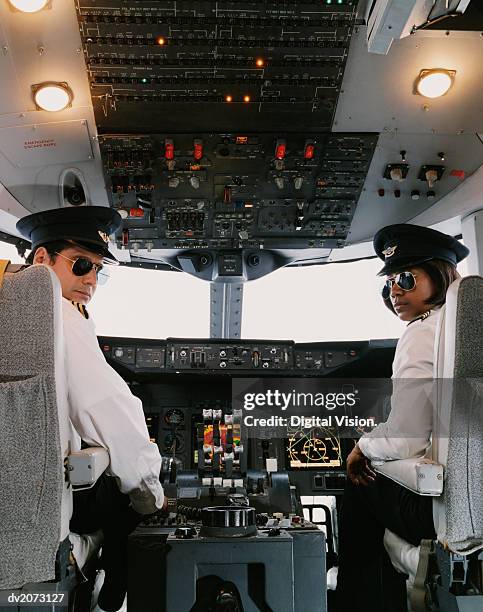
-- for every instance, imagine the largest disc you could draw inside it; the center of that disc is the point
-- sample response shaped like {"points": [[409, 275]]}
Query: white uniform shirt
{"points": [[407, 431], [104, 412]]}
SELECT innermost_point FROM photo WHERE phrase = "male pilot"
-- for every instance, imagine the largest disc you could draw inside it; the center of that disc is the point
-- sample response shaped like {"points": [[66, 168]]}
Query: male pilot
{"points": [[102, 409]]}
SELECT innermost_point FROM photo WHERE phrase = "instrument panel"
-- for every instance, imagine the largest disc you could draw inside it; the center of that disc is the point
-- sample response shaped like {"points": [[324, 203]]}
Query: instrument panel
{"points": [[209, 356], [186, 393]]}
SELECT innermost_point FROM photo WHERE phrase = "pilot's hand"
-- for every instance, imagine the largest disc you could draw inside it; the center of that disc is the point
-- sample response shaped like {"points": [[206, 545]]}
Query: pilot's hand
{"points": [[358, 468], [165, 504]]}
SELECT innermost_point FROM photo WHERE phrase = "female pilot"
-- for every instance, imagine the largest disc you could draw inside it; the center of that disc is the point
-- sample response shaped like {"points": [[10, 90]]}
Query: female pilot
{"points": [[419, 265]]}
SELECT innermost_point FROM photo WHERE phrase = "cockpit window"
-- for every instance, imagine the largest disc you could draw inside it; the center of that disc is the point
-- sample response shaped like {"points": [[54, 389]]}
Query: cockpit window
{"points": [[139, 303], [319, 303], [333, 302]]}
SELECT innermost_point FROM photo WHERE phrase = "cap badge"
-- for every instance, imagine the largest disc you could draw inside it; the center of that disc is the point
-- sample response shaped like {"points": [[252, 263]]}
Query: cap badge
{"points": [[103, 235], [389, 252]]}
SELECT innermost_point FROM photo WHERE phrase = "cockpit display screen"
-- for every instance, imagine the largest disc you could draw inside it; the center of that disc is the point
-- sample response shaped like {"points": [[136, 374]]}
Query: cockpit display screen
{"points": [[315, 448]]}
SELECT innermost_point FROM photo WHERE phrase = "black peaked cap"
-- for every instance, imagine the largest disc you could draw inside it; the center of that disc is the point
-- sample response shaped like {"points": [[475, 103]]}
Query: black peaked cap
{"points": [[88, 226], [404, 245]]}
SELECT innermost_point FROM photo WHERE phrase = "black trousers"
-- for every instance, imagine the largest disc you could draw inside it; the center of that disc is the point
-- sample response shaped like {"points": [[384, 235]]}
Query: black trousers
{"points": [[105, 507], [367, 580]]}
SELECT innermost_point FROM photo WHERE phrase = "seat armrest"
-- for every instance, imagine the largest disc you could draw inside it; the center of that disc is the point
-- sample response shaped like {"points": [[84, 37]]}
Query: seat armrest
{"points": [[85, 466], [418, 474]]}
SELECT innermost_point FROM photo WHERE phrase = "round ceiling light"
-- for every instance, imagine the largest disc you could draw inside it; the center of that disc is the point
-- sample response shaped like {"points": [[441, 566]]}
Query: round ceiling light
{"points": [[52, 96], [29, 6], [434, 83]]}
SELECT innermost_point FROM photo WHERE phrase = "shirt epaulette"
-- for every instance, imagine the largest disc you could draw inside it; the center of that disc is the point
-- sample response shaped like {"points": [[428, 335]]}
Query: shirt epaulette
{"points": [[424, 316], [82, 309]]}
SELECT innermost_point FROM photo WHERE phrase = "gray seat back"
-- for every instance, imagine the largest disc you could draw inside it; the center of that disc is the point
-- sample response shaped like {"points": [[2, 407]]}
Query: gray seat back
{"points": [[459, 513], [31, 466]]}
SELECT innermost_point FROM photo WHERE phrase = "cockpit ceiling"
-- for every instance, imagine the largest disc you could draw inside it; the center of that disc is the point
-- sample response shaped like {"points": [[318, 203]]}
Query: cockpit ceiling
{"points": [[236, 125]]}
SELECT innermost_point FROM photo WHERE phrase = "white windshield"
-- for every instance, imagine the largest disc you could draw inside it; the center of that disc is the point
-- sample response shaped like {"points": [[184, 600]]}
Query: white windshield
{"points": [[318, 303]]}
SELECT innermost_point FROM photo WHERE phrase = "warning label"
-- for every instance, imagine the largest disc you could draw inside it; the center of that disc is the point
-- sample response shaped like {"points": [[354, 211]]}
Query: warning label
{"points": [[39, 144]]}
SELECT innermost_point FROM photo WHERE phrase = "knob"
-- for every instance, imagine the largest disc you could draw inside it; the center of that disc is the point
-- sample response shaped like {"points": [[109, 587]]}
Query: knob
{"points": [[431, 177], [274, 532], [253, 260], [194, 182], [185, 533], [279, 182], [396, 174]]}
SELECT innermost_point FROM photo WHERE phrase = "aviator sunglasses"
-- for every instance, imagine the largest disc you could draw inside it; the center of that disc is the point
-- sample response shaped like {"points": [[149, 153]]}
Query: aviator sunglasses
{"points": [[82, 266], [404, 280]]}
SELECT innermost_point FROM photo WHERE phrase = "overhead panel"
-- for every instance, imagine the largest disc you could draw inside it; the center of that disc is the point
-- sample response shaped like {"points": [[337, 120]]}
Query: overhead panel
{"points": [[182, 65], [236, 190], [214, 122]]}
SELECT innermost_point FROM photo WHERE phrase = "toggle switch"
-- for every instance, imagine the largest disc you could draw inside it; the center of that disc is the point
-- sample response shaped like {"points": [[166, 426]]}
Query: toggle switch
{"points": [[279, 182]]}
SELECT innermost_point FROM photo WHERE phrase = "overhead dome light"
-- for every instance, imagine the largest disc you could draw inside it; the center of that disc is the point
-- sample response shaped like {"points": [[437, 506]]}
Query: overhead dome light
{"points": [[434, 83], [29, 6], [52, 96]]}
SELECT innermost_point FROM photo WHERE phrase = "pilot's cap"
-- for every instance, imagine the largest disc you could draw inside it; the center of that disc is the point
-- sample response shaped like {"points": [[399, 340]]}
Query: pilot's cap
{"points": [[88, 226], [404, 245]]}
